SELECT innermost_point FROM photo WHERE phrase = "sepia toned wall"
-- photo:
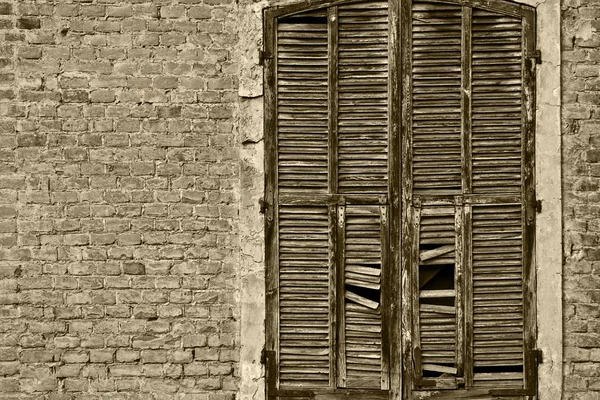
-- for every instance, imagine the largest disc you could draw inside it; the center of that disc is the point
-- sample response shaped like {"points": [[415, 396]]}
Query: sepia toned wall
{"points": [[581, 205], [131, 174], [119, 200]]}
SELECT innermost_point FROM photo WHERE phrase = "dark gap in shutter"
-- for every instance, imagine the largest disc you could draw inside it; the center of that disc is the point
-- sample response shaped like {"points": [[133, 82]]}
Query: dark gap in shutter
{"points": [[300, 19], [438, 329], [363, 264]]}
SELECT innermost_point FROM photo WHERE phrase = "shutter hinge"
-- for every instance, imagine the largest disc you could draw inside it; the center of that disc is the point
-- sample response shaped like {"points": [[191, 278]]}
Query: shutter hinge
{"points": [[537, 56], [538, 206], [263, 205], [531, 387], [538, 355], [262, 56], [416, 201], [263, 356]]}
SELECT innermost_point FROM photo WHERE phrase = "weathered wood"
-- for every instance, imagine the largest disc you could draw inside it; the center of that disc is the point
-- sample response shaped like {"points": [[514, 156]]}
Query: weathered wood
{"points": [[363, 57], [499, 180], [429, 254], [334, 284], [271, 248], [459, 284], [392, 272], [386, 300], [529, 212], [331, 199], [333, 39], [468, 295], [407, 239], [466, 100], [340, 296], [433, 294], [439, 368]]}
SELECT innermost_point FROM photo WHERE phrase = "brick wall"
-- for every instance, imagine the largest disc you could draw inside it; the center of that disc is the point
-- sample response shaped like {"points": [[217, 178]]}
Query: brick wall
{"points": [[581, 171], [118, 200]]}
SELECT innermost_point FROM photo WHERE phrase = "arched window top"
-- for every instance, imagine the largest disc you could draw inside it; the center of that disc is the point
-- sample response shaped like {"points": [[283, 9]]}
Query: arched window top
{"points": [[506, 7]]}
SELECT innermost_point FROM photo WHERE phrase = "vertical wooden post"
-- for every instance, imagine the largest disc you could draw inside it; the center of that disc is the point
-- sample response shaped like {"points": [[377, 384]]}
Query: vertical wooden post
{"points": [[332, 88], [466, 93], [459, 283], [340, 290], [392, 273], [528, 197], [406, 194], [271, 235]]}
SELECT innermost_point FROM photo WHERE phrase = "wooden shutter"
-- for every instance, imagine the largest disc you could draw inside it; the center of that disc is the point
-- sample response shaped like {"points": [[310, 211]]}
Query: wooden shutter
{"points": [[438, 310], [497, 102], [364, 233], [470, 210], [498, 295], [363, 98], [436, 98], [304, 287], [327, 143], [302, 103], [342, 88]]}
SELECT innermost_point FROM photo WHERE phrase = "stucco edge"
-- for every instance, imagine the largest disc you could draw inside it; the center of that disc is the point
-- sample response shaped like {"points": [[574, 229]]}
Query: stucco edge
{"points": [[548, 190]]}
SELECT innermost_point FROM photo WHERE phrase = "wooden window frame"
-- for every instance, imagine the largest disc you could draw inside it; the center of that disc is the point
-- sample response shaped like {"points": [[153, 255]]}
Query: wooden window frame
{"points": [[399, 365]]}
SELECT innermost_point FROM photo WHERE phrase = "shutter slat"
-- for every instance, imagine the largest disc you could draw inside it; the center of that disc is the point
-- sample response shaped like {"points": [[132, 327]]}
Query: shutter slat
{"points": [[497, 295], [362, 82], [496, 37], [436, 77], [304, 308], [302, 79], [437, 313], [363, 254]]}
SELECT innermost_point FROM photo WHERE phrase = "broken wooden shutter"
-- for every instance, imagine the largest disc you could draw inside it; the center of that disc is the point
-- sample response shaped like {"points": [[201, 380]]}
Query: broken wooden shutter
{"points": [[438, 303], [327, 143], [470, 215], [363, 230]]}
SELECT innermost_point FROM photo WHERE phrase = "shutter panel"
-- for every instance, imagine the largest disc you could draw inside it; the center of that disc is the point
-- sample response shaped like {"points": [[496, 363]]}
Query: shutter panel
{"points": [[470, 145], [497, 246], [436, 98], [497, 125], [363, 98], [364, 233], [302, 103], [304, 306], [437, 304], [330, 110]]}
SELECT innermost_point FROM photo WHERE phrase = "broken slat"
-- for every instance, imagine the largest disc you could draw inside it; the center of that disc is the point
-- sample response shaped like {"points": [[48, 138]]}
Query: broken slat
{"points": [[437, 309], [431, 294], [439, 368], [429, 254], [361, 300]]}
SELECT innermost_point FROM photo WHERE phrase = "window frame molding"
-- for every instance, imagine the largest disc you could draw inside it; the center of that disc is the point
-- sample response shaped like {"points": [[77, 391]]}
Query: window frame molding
{"points": [[548, 254]]}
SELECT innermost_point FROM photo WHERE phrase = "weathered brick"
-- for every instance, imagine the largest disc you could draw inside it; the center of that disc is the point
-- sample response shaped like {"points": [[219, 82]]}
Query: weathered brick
{"points": [[28, 23]]}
